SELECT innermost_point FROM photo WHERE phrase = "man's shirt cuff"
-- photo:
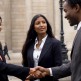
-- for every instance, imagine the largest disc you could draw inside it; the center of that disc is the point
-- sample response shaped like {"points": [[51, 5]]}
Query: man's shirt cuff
{"points": [[51, 74]]}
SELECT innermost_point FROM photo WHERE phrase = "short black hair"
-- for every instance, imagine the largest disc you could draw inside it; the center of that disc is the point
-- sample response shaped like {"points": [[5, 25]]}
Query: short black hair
{"points": [[74, 2]]}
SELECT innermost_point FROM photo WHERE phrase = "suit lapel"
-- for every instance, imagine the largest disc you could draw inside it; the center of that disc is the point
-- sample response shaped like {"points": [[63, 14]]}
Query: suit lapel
{"points": [[45, 48], [75, 39]]}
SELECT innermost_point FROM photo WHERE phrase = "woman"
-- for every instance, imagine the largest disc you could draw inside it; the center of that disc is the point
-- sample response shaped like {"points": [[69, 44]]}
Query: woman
{"points": [[41, 48]]}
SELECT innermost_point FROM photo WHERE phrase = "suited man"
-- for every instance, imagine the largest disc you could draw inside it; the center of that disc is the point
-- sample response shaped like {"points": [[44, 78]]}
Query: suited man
{"points": [[10, 69], [5, 51], [44, 49], [72, 9]]}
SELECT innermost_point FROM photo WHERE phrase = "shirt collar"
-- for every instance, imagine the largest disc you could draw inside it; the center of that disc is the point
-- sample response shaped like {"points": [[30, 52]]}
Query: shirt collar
{"points": [[43, 40], [79, 25]]}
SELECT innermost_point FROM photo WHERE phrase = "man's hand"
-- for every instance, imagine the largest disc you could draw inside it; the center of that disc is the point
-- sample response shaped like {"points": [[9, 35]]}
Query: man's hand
{"points": [[32, 70], [34, 74], [31, 74], [38, 72], [44, 71]]}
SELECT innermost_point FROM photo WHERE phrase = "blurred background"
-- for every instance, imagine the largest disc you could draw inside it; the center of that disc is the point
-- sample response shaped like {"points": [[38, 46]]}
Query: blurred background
{"points": [[16, 16]]}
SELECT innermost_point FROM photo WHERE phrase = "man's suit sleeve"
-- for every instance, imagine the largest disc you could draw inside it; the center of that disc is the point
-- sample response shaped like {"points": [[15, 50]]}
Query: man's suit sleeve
{"points": [[61, 71], [14, 70]]}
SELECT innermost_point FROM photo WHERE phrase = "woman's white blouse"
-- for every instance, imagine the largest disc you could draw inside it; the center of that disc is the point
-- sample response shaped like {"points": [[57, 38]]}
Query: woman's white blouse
{"points": [[37, 51]]}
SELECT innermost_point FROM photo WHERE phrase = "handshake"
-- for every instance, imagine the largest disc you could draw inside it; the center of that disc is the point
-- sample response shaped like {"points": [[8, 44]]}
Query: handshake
{"points": [[37, 72]]}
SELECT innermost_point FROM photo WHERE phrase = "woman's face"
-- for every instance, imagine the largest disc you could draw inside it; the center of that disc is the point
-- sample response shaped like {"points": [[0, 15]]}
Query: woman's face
{"points": [[40, 26]]}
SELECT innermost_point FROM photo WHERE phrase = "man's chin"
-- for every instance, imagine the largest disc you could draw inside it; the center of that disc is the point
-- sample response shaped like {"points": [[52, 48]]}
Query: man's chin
{"points": [[71, 24]]}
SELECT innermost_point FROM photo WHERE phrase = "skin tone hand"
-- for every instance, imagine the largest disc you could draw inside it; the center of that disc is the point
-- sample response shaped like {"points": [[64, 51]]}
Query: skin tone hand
{"points": [[32, 70], [35, 75], [39, 72], [44, 71], [31, 74]]}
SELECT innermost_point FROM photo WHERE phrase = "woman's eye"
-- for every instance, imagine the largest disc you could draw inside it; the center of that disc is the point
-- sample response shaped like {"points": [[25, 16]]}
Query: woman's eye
{"points": [[37, 23], [43, 22]]}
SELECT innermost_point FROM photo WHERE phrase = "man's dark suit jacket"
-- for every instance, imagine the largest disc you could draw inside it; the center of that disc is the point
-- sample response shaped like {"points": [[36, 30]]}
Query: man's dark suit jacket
{"points": [[13, 70], [3, 77], [49, 57], [74, 67]]}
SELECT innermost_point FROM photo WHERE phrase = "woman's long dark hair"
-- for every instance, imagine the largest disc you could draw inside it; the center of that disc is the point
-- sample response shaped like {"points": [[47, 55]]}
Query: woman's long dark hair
{"points": [[31, 35]]}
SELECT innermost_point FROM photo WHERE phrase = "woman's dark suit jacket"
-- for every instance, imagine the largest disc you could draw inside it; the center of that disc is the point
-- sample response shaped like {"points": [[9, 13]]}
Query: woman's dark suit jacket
{"points": [[49, 57]]}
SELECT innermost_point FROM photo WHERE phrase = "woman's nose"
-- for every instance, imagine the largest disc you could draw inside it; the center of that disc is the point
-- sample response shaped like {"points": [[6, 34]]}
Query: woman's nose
{"points": [[41, 24]]}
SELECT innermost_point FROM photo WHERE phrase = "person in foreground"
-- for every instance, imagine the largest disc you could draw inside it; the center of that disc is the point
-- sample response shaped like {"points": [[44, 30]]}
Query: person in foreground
{"points": [[10, 69], [41, 48], [72, 9]]}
